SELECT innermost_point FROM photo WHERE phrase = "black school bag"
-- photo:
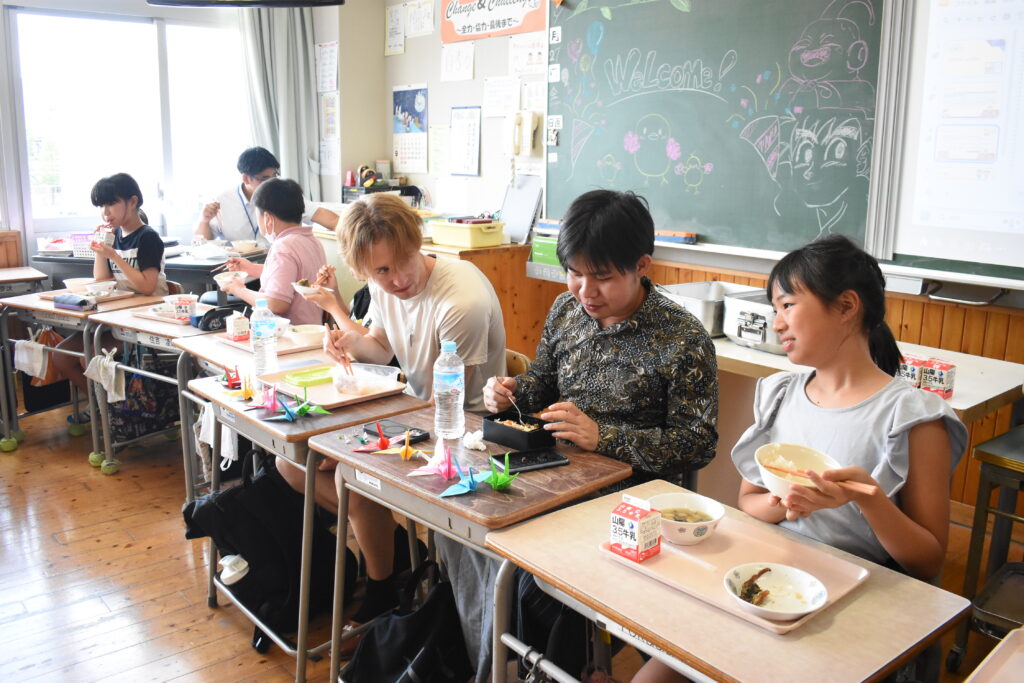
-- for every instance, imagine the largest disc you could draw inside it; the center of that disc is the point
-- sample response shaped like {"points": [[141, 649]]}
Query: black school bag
{"points": [[261, 520]]}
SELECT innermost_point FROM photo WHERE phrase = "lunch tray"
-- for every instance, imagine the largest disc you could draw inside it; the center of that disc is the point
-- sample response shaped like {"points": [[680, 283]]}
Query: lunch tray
{"points": [[324, 395], [114, 296], [284, 344], [149, 313], [999, 607], [698, 570]]}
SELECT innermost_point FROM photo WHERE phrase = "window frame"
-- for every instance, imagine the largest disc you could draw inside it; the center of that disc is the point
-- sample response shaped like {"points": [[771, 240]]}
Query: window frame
{"points": [[15, 192]]}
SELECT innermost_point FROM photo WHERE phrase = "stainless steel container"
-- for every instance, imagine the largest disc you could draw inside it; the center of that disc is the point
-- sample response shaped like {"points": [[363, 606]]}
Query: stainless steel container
{"points": [[748, 321], [704, 300]]}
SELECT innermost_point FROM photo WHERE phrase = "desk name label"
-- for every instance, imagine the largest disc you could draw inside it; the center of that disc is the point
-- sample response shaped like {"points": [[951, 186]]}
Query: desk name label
{"points": [[156, 340], [372, 482]]}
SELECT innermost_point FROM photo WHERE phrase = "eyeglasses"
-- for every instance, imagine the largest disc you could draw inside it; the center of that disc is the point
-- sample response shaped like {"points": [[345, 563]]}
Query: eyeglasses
{"points": [[264, 178]]}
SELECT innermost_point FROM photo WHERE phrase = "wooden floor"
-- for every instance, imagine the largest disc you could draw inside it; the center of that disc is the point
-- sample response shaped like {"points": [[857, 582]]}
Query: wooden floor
{"points": [[97, 581]]}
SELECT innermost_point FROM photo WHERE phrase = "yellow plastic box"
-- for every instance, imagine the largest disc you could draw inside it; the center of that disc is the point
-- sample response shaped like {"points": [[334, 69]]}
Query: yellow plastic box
{"points": [[466, 234]]}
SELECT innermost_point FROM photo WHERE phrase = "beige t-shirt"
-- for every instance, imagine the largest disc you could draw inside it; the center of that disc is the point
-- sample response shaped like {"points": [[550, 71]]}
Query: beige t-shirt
{"points": [[458, 304]]}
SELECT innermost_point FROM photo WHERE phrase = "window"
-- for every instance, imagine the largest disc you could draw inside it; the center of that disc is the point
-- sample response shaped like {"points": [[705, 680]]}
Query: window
{"points": [[95, 101]]}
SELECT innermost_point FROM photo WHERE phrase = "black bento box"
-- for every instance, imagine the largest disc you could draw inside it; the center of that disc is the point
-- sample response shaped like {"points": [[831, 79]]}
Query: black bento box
{"points": [[516, 438]]}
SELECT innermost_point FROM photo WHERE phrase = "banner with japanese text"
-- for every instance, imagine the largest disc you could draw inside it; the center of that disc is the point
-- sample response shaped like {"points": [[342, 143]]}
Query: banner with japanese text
{"points": [[472, 19]]}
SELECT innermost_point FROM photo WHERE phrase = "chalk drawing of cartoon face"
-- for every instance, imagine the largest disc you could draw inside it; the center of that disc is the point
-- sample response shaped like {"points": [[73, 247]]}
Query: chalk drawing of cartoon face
{"points": [[693, 171], [651, 132], [828, 50], [826, 160], [609, 167]]}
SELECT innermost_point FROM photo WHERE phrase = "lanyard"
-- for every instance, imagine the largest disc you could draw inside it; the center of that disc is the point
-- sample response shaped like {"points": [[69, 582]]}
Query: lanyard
{"points": [[245, 210]]}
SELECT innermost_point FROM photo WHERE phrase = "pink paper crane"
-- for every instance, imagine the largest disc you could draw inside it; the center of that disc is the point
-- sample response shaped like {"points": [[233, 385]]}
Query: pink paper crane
{"points": [[440, 464]]}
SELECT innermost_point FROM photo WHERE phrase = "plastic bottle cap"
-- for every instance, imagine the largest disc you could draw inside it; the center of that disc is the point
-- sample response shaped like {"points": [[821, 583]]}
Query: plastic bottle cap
{"points": [[448, 347]]}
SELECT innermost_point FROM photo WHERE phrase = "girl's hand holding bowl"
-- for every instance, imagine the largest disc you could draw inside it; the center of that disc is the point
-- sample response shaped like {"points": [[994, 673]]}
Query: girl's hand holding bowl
{"points": [[227, 278]]}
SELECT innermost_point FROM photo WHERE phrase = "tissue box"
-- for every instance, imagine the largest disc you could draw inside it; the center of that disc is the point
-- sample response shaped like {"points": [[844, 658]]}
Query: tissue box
{"points": [[910, 369], [938, 376], [635, 530]]}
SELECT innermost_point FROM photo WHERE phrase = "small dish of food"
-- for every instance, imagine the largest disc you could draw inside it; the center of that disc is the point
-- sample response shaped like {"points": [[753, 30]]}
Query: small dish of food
{"points": [[306, 335], [78, 284], [243, 246], [687, 518], [775, 591], [522, 434], [222, 279], [101, 289], [365, 378], [788, 456]]}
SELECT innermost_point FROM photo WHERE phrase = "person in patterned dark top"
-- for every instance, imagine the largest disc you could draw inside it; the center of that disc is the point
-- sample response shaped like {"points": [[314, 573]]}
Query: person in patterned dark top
{"points": [[620, 369]]}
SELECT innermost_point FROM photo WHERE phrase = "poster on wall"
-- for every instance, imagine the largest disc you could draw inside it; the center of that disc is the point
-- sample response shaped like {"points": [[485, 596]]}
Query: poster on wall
{"points": [[409, 129], [472, 19], [465, 141]]}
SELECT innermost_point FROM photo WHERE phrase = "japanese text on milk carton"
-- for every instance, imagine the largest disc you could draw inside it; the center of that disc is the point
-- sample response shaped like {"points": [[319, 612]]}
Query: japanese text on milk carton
{"points": [[938, 376], [635, 529]]}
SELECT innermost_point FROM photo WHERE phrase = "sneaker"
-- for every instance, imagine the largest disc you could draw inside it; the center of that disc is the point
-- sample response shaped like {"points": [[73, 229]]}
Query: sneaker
{"points": [[83, 418]]}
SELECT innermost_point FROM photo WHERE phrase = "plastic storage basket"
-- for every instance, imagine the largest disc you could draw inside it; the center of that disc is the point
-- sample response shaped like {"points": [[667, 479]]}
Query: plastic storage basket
{"points": [[467, 234], [80, 242]]}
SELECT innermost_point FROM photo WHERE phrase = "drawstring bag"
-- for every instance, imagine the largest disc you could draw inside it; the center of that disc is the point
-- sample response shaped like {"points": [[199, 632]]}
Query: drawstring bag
{"points": [[29, 356], [151, 405], [48, 337]]}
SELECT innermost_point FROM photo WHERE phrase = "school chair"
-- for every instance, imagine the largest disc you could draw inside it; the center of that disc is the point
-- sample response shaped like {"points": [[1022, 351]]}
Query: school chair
{"points": [[516, 363]]}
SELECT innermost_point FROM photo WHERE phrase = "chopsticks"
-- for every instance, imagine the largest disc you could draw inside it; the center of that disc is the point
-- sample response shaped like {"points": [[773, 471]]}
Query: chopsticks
{"points": [[220, 267], [345, 362], [849, 485]]}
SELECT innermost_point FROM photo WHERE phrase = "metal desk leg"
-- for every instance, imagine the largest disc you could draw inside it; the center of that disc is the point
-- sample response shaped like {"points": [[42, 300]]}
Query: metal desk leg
{"points": [[99, 394], [97, 445], [999, 546], [183, 370], [307, 554], [8, 403], [211, 595], [338, 608], [502, 602], [985, 485]]}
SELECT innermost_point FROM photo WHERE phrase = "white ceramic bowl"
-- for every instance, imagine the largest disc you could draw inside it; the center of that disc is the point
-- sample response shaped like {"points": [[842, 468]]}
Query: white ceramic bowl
{"points": [[792, 592], [302, 289], [242, 246], [78, 283], [222, 279], [687, 533], [100, 288], [306, 335], [282, 325], [792, 456]]}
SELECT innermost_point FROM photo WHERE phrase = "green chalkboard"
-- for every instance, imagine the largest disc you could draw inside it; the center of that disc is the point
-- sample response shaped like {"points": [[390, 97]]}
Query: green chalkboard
{"points": [[749, 122]]}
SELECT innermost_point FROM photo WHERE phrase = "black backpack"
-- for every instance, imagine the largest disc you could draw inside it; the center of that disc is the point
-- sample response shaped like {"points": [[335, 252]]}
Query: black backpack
{"points": [[261, 520]]}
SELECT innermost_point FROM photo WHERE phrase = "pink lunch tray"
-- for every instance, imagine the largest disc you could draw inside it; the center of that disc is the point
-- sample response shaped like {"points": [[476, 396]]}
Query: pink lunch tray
{"points": [[1005, 664], [698, 570]]}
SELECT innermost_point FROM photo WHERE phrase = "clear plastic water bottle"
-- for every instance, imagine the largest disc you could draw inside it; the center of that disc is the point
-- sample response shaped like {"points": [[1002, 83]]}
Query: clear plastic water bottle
{"points": [[263, 338], [449, 393]]}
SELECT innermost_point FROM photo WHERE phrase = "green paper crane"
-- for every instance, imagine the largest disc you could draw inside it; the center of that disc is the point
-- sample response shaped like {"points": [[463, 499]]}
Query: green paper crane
{"points": [[500, 481]]}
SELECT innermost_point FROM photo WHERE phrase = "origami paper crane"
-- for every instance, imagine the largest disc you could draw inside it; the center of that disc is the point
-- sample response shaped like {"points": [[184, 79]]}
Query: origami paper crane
{"points": [[270, 400], [232, 379], [306, 407], [289, 415], [244, 392], [380, 444], [500, 480], [470, 478], [293, 413], [440, 464], [405, 450]]}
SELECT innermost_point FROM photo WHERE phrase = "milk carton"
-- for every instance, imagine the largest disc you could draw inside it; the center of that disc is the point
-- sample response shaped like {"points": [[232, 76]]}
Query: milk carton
{"points": [[938, 376], [237, 327], [635, 529], [910, 369]]}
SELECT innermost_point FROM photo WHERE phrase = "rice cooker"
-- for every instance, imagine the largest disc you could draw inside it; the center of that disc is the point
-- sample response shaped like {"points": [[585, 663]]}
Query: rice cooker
{"points": [[748, 321]]}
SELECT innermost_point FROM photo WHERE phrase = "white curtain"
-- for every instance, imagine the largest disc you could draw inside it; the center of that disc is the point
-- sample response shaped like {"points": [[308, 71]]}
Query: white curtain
{"points": [[281, 69]]}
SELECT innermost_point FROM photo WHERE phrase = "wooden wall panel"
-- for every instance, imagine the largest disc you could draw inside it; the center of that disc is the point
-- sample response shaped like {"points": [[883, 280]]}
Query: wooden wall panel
{"points": [[10, 249]]}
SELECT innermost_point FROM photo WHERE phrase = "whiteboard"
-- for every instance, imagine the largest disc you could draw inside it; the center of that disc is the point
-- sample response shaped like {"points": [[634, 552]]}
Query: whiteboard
{"points": [[962, 186]]}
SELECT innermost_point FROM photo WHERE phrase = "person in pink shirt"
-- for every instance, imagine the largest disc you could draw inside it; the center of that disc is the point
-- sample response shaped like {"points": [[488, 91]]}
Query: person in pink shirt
{"points": [[295, 254]]}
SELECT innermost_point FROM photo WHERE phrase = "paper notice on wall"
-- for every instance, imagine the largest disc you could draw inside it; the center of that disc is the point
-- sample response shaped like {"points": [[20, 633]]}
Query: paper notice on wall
{"points": [[326, 66], [329, 115], [527, 54], [535, 95], [439, 148], [330, 157], [501, 96], [457, 61], [419, 18], [394, 30], [465, 141]]}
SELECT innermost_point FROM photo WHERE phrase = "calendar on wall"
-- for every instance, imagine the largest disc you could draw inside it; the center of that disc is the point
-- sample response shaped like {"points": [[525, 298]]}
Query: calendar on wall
{"points": [[409, 129]]}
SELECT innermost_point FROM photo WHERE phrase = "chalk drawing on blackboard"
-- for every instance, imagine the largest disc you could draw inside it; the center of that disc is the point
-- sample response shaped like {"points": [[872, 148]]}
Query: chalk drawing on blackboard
{"points": [[605, 7], [652, 147], [693, 171], [825, 64], [609, 166]]}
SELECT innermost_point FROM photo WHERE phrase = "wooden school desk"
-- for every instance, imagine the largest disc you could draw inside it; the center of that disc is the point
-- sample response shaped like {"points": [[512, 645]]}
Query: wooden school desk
{"points": [[467, 518], [869, 632], [289, 440], [33, 310], [13, 281], [154, 334]]}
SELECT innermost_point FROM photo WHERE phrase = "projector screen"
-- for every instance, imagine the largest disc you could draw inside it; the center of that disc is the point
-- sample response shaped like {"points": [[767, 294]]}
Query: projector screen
{"points": [[962, 188]]}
